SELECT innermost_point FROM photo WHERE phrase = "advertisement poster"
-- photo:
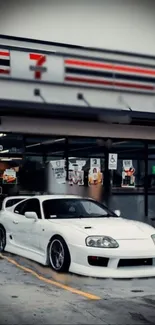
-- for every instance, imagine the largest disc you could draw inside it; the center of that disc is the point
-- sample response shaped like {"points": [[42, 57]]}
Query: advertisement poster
{"points": [[70, 176], [80, 163], [95, 163], [95, 176], [59, 170], [8, 172], [128, 177], [9, 176], [81, 178], [76, 174]]}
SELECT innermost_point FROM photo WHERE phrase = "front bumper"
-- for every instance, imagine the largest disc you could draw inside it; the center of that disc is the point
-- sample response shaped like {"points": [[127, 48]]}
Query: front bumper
{"points": [[138, 250]]}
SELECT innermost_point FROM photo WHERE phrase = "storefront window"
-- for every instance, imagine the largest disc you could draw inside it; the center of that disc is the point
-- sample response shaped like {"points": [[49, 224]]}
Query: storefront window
{"points": [[151, 170], [37, 164], [48, 146], [86, 171], [11, 144], [31, 175], [129, 174], [130, 165]]}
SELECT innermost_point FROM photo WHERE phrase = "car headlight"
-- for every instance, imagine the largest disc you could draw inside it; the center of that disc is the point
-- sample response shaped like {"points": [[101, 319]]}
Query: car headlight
{"points": [[153, 238], [101, 242]]}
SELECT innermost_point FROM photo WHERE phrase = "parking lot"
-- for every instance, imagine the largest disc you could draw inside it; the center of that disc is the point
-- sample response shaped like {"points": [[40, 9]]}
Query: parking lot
{"points": [[31, 293]]}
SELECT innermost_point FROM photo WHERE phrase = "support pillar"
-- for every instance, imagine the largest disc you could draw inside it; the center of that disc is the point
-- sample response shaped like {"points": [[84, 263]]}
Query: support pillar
{"points": [[146, 180]]}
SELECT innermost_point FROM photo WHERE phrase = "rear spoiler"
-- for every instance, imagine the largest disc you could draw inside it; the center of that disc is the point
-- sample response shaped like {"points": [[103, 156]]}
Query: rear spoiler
{"points": [[12, 200]]}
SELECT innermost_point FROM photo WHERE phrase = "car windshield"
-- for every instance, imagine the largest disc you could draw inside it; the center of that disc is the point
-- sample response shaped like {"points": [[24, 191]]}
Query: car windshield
{"points": [[75, 208]]}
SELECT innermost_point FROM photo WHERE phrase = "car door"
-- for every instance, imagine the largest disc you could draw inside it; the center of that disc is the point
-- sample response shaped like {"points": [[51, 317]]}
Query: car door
{"points": [[7, 214], [26, 231]]}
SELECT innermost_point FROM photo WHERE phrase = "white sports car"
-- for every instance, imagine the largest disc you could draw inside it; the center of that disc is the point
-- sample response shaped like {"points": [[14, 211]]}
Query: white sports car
{"points": [[77, 234]]}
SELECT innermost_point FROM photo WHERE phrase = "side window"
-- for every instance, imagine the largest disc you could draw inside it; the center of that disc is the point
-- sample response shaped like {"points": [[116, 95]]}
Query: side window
{"points": [[32, 205], [18, 209], [29, 205], [11, 202]]}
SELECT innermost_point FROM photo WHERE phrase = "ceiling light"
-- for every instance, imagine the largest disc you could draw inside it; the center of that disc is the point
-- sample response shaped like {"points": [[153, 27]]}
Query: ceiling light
{"points": [[2, 135], [5, 159], [45, 142], [4, 151]]}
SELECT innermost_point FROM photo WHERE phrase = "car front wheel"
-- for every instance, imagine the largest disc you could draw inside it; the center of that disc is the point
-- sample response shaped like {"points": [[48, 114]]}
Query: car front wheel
{"points": [[59, 256]]}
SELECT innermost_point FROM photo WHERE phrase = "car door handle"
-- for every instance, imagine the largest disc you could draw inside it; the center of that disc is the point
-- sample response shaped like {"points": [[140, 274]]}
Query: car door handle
{"points": [[15, 222]]}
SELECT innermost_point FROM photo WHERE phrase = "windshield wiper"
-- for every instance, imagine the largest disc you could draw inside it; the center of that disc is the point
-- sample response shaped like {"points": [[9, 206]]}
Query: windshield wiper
{"points": [[95, 216]]}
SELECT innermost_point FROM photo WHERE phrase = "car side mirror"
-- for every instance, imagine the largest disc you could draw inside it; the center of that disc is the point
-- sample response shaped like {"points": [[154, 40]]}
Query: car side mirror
{"points": [[118, 213], [31, 215]]}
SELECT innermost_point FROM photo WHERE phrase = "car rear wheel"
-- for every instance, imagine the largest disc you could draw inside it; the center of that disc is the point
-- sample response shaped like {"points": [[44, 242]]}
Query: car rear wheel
{"points": [[59, 256], [2, 239]]}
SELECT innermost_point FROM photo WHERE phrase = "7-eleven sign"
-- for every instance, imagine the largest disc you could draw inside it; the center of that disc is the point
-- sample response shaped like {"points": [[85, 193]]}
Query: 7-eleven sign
{"points": [[38, 66]]}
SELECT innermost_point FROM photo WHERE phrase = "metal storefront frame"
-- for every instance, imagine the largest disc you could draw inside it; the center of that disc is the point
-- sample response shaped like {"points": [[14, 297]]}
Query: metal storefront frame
{"points": [[60, 127]]}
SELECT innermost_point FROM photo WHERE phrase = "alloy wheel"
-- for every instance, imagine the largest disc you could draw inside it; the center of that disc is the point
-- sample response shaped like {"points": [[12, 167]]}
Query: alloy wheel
{"points": [[56, 254]]}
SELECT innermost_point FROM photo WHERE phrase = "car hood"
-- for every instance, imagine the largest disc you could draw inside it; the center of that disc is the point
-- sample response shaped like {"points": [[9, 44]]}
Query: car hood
{"points": [[117, 228]]}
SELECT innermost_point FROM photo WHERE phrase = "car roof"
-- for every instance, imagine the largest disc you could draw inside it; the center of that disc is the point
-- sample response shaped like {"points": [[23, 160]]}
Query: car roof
{"points": [[54, 196], [42, 198]]}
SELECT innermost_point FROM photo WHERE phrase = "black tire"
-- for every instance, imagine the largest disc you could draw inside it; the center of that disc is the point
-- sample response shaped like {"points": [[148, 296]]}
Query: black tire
{"points": [[2, 239], [58, 255]]}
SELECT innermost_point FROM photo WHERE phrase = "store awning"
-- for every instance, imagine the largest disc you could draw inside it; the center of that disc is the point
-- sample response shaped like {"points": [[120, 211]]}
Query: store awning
{"points": [[72, 112]]}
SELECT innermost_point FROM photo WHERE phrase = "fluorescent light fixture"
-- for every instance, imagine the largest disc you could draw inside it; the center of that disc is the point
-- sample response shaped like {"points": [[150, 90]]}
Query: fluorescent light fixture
{"points": [[45, 142], [10, 158], [4, 151], [2, 135], [5, 159], [33, 145]]}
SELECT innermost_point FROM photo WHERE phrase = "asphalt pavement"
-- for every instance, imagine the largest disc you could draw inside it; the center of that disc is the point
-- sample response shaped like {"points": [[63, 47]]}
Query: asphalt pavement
{"points": [[32, 294]]}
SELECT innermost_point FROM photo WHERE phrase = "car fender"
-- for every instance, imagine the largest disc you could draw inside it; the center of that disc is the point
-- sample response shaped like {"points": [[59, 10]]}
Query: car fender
{"points": [[71, 235]]}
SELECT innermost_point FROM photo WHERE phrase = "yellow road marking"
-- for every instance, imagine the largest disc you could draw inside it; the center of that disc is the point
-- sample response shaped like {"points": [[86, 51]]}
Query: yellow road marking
{"points": [[52, 282]]}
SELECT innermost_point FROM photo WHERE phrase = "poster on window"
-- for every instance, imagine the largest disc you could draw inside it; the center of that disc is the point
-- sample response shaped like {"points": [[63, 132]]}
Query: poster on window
{"points": [[70, 177], [81, 178], [80, 163], [95, 176], [76, 175], [58, 167], [128, 177], [9, 176], [95, 163]]}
